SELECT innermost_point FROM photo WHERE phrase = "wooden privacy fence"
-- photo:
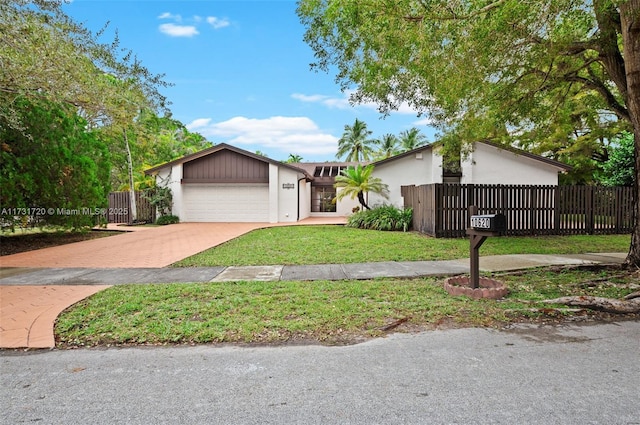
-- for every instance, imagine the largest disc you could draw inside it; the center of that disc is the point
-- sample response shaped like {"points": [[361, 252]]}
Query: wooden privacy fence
{"points": [[441, 209], [120, 207]]}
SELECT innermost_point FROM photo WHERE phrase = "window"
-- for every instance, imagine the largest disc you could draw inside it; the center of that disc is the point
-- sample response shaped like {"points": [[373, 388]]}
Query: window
{"points": [[322, 199]]}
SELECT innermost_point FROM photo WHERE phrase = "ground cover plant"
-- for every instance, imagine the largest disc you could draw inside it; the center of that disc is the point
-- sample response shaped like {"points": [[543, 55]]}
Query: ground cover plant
{"points": [[294, 245], [385, 217], [331, 312]]}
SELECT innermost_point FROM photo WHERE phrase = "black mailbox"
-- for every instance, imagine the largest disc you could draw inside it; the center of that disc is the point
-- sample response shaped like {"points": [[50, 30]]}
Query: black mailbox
{"points": [[489, 222]]}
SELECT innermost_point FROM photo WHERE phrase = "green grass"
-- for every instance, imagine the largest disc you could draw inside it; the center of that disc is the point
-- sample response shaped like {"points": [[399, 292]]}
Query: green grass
{"points": [[339, 245], [330, 312]]}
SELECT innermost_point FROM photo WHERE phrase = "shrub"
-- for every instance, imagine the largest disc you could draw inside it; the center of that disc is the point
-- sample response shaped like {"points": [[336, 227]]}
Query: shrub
{"points": [[385, 217], [167, 219], [161, 198]]}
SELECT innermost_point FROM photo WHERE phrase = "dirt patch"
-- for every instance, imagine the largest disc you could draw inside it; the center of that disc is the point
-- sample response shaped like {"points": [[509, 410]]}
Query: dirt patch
{"points": [[17, 243]]}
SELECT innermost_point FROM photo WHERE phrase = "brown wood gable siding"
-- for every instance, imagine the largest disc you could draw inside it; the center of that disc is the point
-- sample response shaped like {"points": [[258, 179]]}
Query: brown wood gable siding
{"points": [[225, 167]]}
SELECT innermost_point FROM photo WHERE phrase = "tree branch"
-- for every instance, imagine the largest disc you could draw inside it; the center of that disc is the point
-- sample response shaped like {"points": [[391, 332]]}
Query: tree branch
{"points": [[452, 15], [599, 86]]}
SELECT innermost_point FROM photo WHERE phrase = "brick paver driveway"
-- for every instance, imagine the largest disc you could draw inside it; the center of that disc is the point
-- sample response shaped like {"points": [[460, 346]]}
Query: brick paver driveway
{"points": [[28, 313], [153, 247]]}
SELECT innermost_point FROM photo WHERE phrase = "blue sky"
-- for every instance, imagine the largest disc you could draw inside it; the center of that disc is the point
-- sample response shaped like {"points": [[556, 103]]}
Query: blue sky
{"points": [[241, 73]]}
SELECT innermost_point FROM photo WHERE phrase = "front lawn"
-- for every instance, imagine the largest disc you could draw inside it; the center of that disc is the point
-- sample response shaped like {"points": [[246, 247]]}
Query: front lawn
{"points": [[329, 312], [337, 312], [295, 245]]}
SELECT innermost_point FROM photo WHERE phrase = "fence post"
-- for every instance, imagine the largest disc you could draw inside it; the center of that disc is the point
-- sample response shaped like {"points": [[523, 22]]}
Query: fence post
{"points": [[533, 198], [619, 209], [589, 210], [437, 209], [556, 210]]}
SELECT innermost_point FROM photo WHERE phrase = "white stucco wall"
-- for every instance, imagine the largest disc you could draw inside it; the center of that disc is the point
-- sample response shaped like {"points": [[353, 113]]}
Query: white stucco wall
{"points": [[422, 167], [304, 201], [491, 165], [344, 207], [274, 193], [287, 198]]}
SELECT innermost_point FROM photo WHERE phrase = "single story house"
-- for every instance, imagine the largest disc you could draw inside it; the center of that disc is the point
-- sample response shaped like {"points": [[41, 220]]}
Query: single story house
{"points": [[486, 163], [227, 184]]}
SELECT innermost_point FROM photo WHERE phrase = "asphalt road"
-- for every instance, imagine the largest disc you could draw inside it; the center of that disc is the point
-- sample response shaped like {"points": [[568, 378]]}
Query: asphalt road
{"points": [[578, 374]]}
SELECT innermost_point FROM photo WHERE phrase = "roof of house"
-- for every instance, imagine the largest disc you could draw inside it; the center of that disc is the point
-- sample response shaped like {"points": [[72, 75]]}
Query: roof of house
{"points": [[223, 146], [403, 154], [324, 169]]}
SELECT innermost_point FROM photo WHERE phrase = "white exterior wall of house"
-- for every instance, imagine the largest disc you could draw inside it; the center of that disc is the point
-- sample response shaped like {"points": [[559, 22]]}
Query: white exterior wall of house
{"points": [[420, 168], [436, 165], [287, 202], [344, 207], [304, 200], [491, 165], [273, 193]]}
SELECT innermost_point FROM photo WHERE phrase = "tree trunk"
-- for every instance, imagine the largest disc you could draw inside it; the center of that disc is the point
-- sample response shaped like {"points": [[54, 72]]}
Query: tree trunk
{"points": [[609, 305], [630, 28], [133, 209], [362, 201]]}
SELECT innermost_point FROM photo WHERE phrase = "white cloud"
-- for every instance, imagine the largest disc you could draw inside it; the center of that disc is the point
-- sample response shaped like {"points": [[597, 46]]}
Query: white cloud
{"points": [[330, 102], [286, 134], [174, 30], [218, 23], [200, 122], [342, 102], [177, 29], [424, 121], [167, 15], [312, 98]]}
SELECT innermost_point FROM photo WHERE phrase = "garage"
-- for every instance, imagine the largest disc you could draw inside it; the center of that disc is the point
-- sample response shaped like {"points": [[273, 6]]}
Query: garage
{"points": [[227, 184], [226, 202]]}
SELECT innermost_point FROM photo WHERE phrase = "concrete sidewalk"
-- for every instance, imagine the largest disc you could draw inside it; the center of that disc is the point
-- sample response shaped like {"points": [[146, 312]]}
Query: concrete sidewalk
{"points": [[355, 271]]}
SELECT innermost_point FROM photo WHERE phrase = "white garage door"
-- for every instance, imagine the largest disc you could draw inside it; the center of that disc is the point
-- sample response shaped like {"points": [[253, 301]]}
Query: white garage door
{"points": [[226, 203]]}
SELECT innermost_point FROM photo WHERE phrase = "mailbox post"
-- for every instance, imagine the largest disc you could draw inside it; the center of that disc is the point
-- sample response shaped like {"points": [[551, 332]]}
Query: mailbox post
{"points": [[481, 227]]}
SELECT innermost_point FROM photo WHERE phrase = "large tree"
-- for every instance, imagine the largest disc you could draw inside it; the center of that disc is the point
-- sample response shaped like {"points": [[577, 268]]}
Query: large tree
{"points": [[58, 173], [38, 33], [47, 58], [411, 139], [513, 71], [618, 169], [387, 146], [355, 144]]}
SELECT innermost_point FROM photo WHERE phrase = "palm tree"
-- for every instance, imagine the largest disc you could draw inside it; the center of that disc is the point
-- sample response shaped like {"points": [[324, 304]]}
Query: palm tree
{"points": [[355, 181], [293, 158], [388, 146], [355, 144], [412, 139]]}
